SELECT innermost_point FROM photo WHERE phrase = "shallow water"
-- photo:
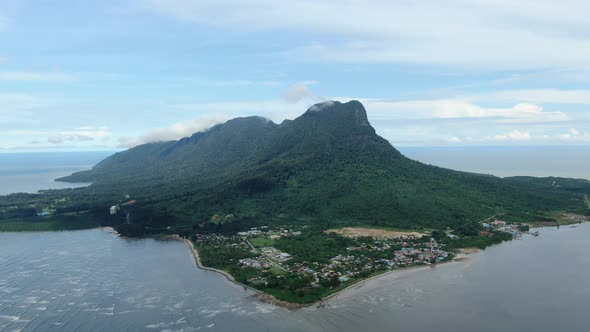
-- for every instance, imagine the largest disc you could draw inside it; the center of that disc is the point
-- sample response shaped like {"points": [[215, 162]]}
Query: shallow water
{"points": [[94, 280]]}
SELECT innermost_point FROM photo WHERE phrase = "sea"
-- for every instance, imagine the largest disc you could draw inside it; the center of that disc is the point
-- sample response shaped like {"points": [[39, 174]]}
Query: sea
{"points": [[560, 161], [94, 280], [31, 172]]}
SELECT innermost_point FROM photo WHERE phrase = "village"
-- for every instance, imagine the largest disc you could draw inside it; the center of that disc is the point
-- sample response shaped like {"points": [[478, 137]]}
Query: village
{"points": [[363, 259], [257, 252]]}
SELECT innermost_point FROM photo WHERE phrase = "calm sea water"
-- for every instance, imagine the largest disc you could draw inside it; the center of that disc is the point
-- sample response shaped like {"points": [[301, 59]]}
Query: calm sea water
{"points": [[30, 172], [95, 281], [563, 161]]}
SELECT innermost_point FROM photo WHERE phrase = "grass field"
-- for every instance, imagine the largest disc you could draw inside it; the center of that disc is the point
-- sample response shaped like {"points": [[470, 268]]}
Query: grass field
{"points": [[276, 271], [260, 242]]}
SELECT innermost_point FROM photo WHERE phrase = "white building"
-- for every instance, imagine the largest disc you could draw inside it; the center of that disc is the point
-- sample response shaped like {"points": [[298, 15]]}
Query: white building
{"points": [[113, 209]]}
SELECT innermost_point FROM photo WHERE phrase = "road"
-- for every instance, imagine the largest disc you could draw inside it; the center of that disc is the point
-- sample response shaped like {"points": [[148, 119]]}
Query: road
{"points": [[272, 262], [587, 200]]}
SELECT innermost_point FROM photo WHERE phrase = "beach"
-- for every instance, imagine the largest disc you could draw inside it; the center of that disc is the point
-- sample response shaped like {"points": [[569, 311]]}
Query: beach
{"points": [[349, 290]]}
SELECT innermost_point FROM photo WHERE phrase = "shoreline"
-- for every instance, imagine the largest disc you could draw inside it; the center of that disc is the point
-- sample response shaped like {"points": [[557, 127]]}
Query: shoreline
{"points": [[110, 229], [363, 282], [270, 299], [258, 294], [460, 257], [200, 265], [463, 254]]}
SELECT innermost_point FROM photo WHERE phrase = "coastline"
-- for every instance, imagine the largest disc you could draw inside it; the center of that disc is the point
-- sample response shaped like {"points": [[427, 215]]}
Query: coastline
{"points": [[460, 257], [258, 294], [200, 265], [268, 298], [110, 229]]}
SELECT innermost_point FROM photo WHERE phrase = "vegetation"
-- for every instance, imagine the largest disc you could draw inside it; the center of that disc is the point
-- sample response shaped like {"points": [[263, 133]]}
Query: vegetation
{"points": [[49, 223], [260, 242], [311, 273], [314, 246], [327, 165], [478, 241]]}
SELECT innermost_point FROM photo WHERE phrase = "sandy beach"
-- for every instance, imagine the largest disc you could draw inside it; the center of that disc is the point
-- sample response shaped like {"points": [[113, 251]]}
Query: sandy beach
{"points": [[109, 229], [352, 289]]}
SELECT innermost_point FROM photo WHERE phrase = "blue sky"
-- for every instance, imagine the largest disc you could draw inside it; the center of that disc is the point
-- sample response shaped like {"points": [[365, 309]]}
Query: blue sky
{"points": [[104, 75]]}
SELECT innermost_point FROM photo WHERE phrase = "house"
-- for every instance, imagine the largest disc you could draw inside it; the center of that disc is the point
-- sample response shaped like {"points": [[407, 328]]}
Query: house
{"points": [[283, 256], [498, 223], [113, 209]]}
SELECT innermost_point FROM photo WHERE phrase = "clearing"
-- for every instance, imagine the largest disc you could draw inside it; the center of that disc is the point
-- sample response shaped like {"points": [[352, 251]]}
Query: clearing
{"points": [[374, 233], [260, 242]]}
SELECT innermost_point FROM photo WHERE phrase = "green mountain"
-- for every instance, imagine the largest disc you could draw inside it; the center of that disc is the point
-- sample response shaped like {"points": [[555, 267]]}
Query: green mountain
{"points": [[327, 165]]}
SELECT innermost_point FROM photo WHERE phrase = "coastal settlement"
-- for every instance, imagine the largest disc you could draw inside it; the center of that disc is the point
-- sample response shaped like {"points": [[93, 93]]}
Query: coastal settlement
{"points": [[299, 264]]}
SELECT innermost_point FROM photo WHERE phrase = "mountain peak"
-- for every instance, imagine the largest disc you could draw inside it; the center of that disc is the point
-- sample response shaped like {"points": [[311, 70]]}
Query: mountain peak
{"points": [[352, 113]]}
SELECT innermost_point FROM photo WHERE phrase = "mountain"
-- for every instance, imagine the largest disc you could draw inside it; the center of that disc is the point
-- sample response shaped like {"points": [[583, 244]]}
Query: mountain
{"points": [[329, 164]]}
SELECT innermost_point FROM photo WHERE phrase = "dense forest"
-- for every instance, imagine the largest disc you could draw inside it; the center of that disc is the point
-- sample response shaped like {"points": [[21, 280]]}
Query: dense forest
{"points": [[328, 165]]}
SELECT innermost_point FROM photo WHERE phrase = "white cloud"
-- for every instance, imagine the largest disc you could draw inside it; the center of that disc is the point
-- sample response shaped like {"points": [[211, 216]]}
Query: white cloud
{"points": [[542, 136], [176, 131], [296, 100], [464, 122], [300, 91], [456, 109], [557, 96], [36, 76], [515, 135], [82, 134], [575, 136], [275, 109], [481, 33]]}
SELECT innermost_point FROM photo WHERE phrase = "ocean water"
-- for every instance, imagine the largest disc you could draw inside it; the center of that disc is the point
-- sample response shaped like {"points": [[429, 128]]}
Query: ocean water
{"points": [[30, 172], [93, 280], [562, 161]]}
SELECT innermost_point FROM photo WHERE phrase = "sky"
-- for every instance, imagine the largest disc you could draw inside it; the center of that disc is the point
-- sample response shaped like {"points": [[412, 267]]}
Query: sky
{"points": [[108, 75]]}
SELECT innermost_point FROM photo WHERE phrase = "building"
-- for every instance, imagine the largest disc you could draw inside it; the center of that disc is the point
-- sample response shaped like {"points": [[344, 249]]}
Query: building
{"points": [[113, 209], [499, 223], [283, 256]]}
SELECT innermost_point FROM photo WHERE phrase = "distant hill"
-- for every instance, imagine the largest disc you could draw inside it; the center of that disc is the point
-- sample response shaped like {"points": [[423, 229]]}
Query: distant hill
{"points": [[327, 164]]}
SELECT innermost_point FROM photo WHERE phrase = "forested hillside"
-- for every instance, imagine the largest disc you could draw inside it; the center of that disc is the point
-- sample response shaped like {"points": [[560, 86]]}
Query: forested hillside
{"points": [[327, 165]]}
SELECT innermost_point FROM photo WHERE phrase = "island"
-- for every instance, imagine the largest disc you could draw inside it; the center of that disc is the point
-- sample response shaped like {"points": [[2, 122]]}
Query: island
{"points": [[302, 209]]}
